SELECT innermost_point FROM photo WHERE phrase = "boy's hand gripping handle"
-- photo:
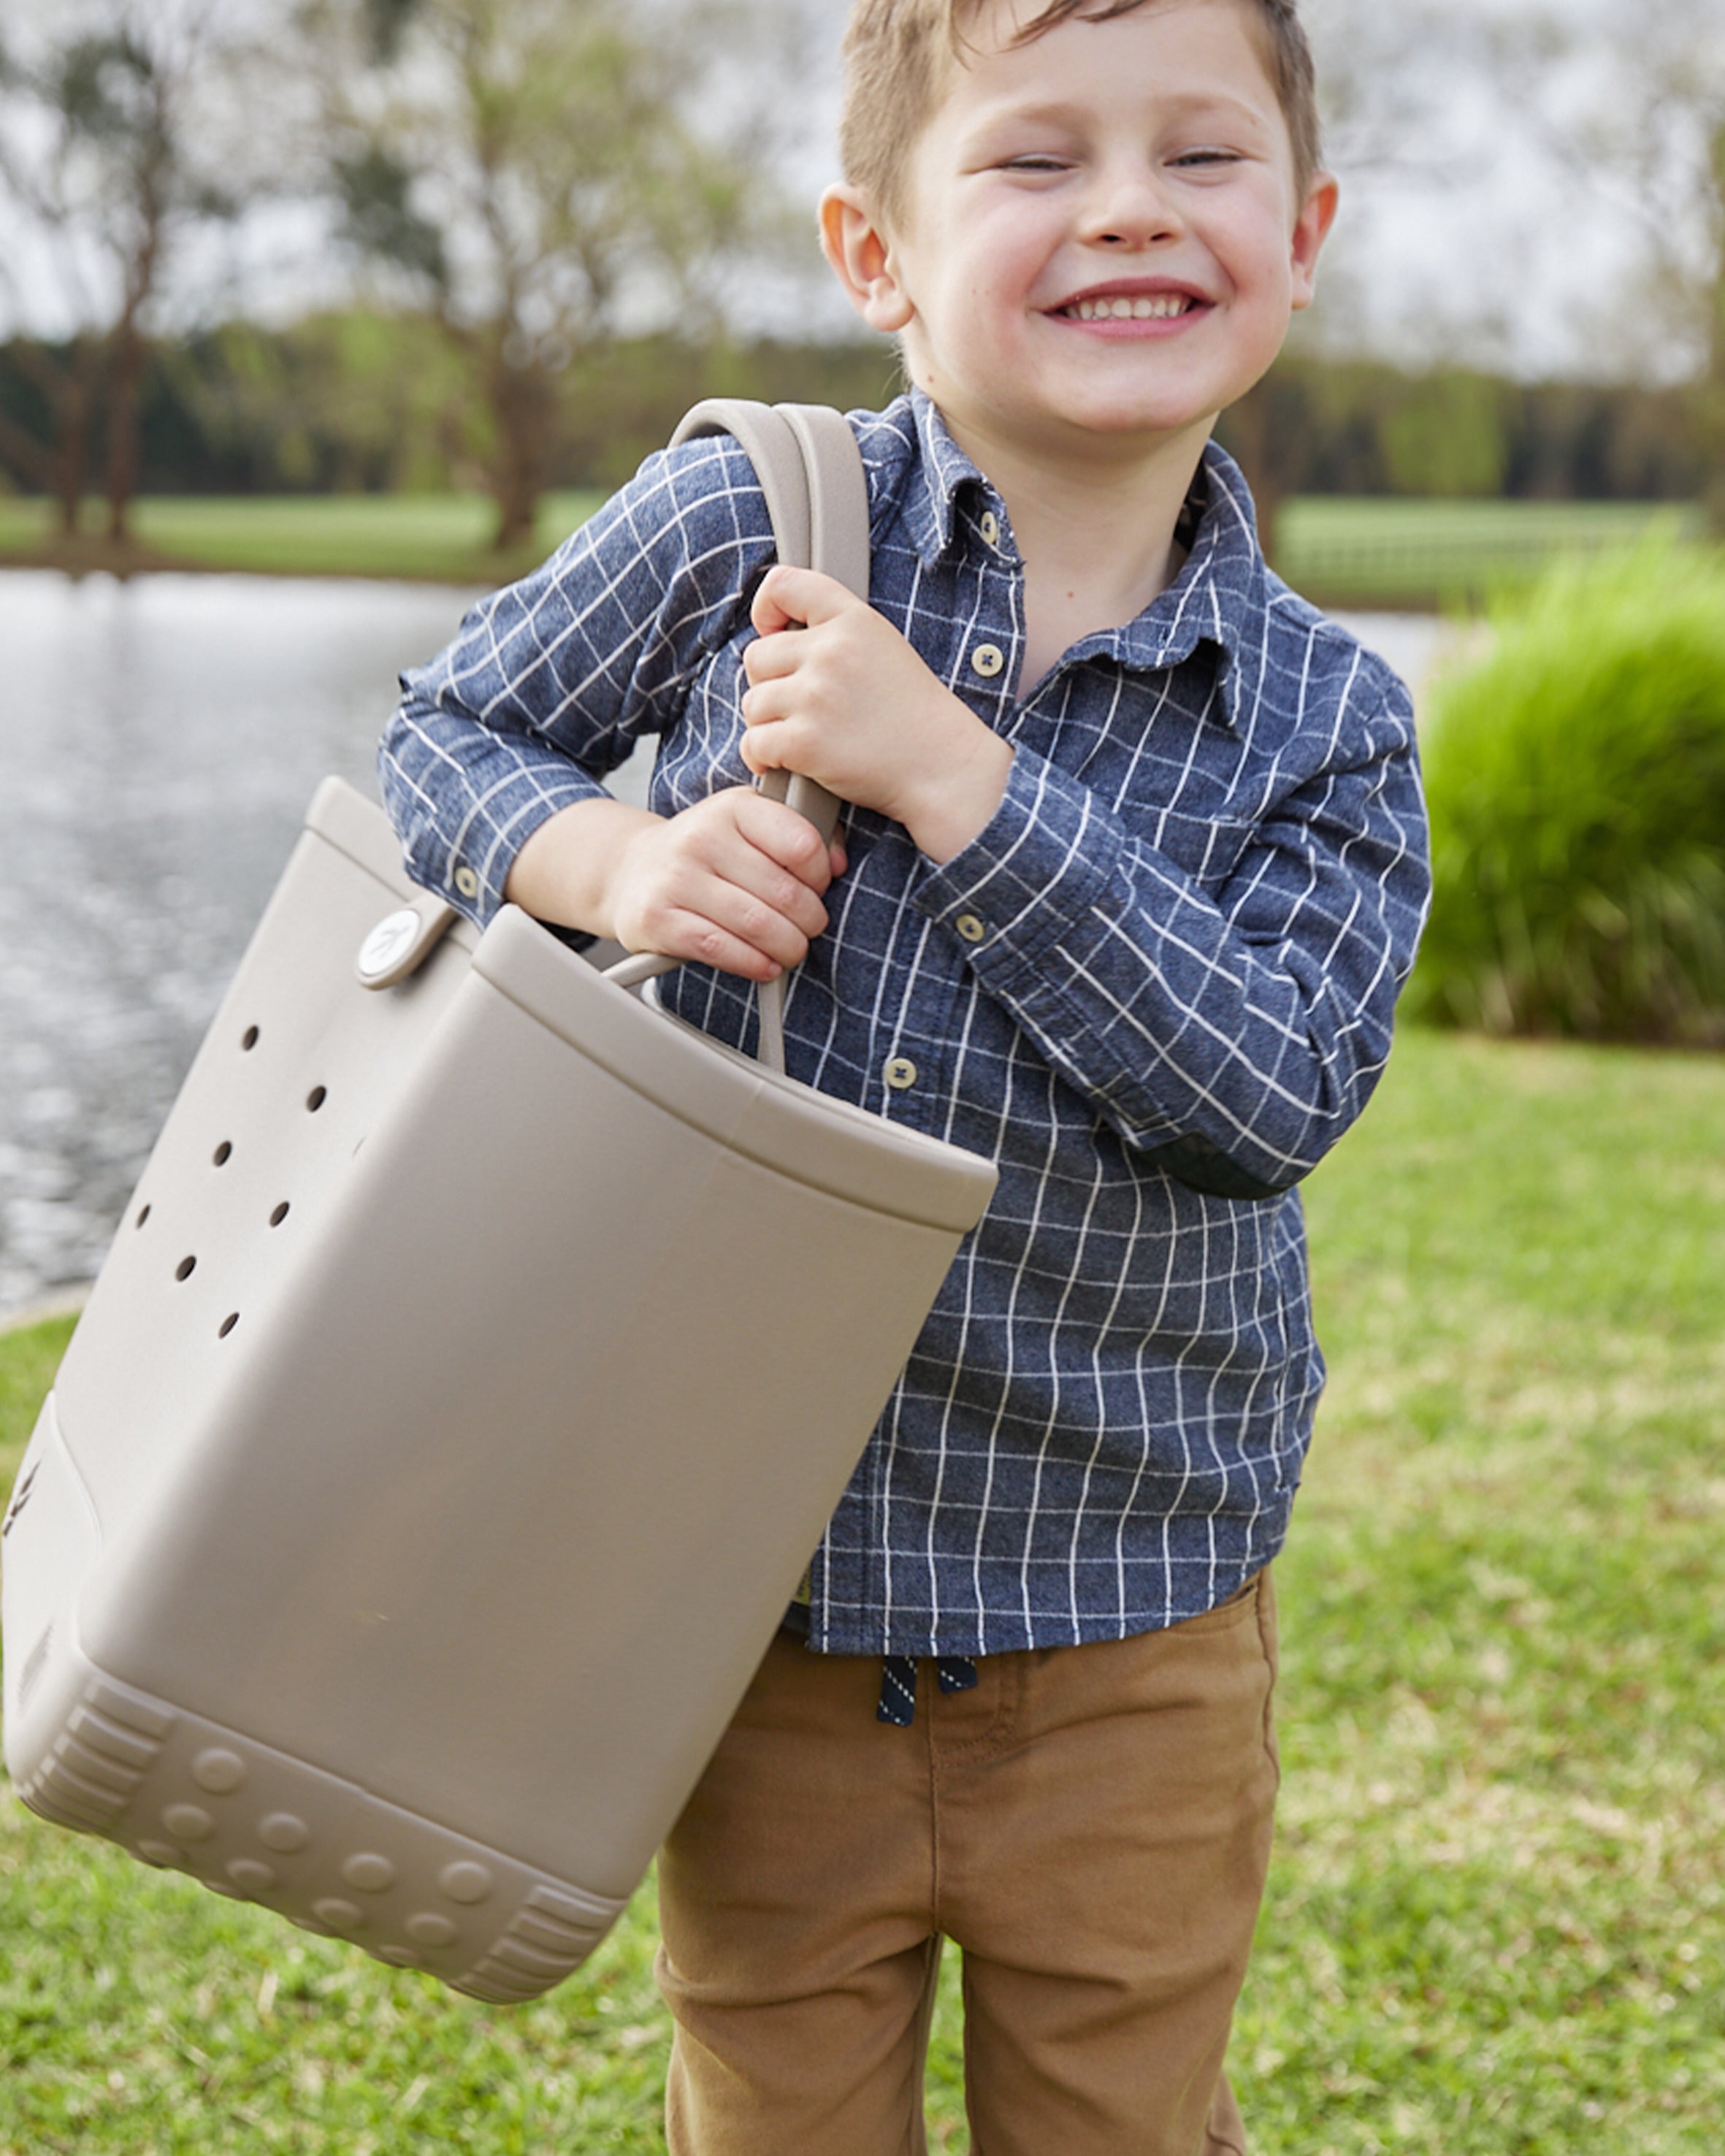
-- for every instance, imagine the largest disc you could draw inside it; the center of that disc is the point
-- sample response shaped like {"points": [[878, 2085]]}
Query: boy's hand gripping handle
{"points": [[811, 473]]}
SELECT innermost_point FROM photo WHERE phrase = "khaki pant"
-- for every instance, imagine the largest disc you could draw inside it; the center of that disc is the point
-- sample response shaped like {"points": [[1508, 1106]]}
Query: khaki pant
{"points": [[1091, 1825]]}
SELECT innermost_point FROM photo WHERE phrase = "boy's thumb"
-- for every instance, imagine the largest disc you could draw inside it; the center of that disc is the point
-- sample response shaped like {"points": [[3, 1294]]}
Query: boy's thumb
{"points": [[789, 597]]}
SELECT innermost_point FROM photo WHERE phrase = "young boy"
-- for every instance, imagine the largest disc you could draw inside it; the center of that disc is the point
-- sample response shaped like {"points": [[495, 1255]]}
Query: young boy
{"points": [[1134, 870]]}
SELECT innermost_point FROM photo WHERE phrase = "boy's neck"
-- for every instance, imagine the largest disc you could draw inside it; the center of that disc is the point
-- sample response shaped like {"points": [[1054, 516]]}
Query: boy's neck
{"points": [[1096, 532]]}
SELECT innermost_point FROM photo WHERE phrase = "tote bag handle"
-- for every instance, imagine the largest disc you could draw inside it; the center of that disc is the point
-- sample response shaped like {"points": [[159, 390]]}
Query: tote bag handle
{"points": [[811, 472]]}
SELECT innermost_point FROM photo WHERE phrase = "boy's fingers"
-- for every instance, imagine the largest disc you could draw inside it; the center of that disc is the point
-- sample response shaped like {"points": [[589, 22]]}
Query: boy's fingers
{"points": [[727, 924], [760, 877], [691, 935], [787, 597], [753, 898], [757, 895], [734, 882], [759, 749], [784, 837], [744, 912], [772, 658], [762, 700]]}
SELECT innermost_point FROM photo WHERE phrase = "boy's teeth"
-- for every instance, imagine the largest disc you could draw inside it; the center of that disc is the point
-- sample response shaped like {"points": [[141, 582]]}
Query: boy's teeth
{"points": [[1142, 309]]}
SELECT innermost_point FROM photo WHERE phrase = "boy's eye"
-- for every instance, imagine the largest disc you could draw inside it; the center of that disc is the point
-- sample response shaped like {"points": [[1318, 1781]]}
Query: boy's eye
{"points": [[1189, 158], [1034, 162]]}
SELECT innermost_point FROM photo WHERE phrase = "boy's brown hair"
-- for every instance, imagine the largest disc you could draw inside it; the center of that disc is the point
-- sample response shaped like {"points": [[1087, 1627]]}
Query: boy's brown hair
{"points": [[899, 54]]}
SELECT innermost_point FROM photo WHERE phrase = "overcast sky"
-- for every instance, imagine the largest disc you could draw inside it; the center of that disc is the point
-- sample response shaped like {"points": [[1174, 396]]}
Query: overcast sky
{"points": [[1472, 226], [1524, 209]]}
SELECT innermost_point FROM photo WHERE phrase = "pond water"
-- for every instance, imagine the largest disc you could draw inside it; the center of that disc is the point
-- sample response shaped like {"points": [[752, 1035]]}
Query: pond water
{"points": [[159, 741]]}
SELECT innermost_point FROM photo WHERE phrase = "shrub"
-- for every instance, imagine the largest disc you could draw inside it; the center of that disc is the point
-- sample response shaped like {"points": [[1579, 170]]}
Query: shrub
{"points": [[1576, 777]]}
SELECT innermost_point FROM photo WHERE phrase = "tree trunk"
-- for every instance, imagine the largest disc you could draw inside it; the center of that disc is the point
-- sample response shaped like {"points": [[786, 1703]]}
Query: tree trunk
{"points": [[60, 467], [72, 462], [123, 378], [76, 415], [126, 345], [522, 406]]}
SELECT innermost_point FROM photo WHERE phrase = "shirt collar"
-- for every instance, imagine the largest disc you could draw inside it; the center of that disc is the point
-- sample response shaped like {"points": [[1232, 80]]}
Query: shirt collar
{"points": [[945, 473], [1220, 596]]}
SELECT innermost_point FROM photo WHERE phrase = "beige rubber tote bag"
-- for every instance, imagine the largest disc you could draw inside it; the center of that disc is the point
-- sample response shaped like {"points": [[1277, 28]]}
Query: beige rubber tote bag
{"points": [[411, 1511]]}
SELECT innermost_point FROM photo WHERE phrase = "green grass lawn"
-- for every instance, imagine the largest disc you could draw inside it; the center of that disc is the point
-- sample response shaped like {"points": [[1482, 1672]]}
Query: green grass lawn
{"points": [[1345, 551], [1342, 550], [1497, 1908], [444, 537]]}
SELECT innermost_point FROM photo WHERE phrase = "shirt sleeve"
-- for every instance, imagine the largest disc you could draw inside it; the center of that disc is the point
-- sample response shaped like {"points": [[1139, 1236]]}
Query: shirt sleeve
{"points": [[1237, 1030], [551, 682]]}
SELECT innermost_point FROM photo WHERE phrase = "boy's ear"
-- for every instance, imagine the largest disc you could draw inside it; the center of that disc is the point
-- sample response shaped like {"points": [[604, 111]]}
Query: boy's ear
{"points": [[855, 244], [1311, 229]]}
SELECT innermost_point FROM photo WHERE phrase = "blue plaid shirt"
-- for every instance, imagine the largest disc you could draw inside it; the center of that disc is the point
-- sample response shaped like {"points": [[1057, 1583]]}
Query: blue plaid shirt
{"points": [[1156, 990]]}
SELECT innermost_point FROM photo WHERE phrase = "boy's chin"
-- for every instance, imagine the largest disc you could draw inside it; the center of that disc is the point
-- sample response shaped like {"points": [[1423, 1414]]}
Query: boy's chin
{"points": [[1127, 404], [1074, 418], [1116, 422]]}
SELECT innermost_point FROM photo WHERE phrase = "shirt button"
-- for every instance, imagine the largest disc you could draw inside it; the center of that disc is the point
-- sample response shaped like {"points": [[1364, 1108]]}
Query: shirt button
{"points": [[988, 660], [467, 883], [990, 528], [970, 928], [899, 1073]]}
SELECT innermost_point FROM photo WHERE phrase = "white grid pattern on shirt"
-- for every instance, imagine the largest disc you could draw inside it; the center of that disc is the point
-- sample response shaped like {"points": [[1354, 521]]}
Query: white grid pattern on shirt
{"points": [[1199, 896]]}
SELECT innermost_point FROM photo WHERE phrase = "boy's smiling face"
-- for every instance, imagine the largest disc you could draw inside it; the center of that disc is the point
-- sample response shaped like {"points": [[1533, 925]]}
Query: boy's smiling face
{"points": [[1102, 241]]}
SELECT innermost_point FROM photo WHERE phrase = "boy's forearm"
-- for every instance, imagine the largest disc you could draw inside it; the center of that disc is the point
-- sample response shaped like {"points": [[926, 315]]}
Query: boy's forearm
{"points": [[566, 871], [461, 794]]}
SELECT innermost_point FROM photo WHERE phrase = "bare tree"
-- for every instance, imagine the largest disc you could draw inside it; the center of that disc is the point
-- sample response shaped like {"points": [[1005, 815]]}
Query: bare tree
{"points": [[536, 174], [1654, 139], [37, 181], [1558, 122], [123, 156]]}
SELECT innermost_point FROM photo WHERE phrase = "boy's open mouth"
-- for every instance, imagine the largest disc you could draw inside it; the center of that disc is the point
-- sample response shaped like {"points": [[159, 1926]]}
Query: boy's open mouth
{"points": [[1125, 307], [1131, 300]]}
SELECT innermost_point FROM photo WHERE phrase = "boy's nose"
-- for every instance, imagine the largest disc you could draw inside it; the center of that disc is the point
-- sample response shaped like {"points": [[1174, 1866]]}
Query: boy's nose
{"points": [[1130, 209]]}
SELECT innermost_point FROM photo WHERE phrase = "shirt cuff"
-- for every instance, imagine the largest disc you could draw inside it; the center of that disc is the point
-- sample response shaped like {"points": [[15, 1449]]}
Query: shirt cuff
{"points": [[1039, 867], [472, 867]]}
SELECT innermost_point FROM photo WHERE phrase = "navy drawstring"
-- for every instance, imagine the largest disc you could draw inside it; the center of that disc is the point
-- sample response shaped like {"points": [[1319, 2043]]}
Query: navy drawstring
{"points": [[898, 1684]]}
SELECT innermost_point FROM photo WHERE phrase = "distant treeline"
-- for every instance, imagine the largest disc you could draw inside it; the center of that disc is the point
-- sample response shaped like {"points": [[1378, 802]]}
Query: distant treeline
{"points": [[370, 403]]}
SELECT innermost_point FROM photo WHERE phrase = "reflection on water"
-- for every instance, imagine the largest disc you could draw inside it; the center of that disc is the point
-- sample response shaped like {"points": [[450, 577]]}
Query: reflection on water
{"points": [[159, 742]]}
